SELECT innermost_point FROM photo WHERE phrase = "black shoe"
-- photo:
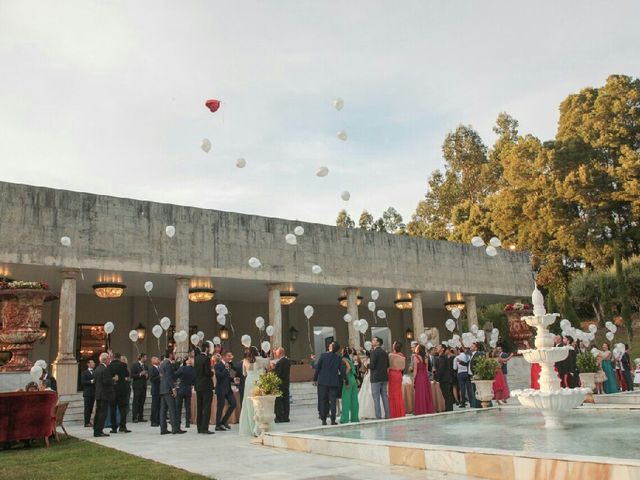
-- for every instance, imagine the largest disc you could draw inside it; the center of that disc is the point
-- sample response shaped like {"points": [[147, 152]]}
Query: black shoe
{"points": [[142, 420], [100, 434], [154, 425], [165, 433], [135, 421], [125, 430], [179, 431], [220, 428], [333, 422], [88, 425], [208, 432], [188, 425], [113, 430], [226, 425], [324, 422]]}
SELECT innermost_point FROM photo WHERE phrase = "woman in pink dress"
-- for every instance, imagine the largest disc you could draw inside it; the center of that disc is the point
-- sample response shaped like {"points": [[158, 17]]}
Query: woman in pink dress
{"points": [[500, 389], [397, 363], [423, 396]]}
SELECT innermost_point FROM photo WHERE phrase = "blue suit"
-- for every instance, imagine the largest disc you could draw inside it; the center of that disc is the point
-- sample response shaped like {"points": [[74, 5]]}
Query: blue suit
{"points": [[329, 369], [187, 376], [224, 376]]}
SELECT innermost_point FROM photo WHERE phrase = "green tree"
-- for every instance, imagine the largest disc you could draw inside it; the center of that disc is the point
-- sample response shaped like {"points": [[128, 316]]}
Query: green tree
{"points": [[366, 220], [392, 221], [344, 220]]}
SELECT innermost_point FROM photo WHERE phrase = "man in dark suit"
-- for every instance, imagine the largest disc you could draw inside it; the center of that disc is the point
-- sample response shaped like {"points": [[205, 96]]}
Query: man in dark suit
{"points": [[625, 364], [88, 391], [139, 375], [237, 366], [186, 375], [168, 395], [379, 375], [105, 394], [49, 381], [443, 375], [121, 401], [282, 370], [329, 367], [154, 380], [225, 376], [204, 387]]}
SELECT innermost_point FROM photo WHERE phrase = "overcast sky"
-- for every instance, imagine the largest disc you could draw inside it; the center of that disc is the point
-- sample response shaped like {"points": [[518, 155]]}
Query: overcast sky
{"points": [[108, 96]]}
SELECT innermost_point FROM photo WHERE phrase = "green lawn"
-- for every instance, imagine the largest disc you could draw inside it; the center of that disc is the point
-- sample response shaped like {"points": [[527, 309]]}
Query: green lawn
{"points": [[78, 460]]}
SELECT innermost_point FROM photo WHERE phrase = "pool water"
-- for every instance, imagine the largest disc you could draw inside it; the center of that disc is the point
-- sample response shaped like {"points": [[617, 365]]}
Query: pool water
{"points": [[591, 432]]}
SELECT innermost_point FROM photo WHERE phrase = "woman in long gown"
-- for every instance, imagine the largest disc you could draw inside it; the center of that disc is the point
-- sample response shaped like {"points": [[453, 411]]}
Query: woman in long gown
{"points": [[365, 397], [397, 364], [253, 366], [610, 385], [500, 389], [349, 389], [422, 386]]}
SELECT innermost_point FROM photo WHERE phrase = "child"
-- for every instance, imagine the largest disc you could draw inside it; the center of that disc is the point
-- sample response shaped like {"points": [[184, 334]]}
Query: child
{"points": [[636, 377]]}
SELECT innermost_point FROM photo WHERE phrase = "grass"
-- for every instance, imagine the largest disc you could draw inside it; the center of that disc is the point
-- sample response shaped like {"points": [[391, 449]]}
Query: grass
{"points": [[78, 460]]}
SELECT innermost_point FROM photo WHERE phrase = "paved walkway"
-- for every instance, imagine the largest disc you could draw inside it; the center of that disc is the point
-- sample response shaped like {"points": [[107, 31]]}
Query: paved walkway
{"points": [[228, 456]]}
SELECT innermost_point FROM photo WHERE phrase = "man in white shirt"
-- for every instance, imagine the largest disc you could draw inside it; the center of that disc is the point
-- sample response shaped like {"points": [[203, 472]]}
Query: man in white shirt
{"points": [[464, 380]]}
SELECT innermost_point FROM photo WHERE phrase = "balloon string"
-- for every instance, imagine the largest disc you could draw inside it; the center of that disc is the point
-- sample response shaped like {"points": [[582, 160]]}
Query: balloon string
{"points": [[158, 339], [153, 305], [309, 335], [233, 330]]}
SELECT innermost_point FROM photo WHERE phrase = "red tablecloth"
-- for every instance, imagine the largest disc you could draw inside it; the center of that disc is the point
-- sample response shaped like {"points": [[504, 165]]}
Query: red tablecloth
{"points": [[235, 416], [408, 395]]}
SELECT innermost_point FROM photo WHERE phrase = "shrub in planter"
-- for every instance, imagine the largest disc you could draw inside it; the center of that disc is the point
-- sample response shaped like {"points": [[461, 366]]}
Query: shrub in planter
{"points": [[586, 363], [485, 369], [268, 384]]}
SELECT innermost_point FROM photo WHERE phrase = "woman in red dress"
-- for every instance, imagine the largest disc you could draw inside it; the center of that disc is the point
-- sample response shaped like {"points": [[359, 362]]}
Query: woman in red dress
{"points": [[424, 397], [397, 364], [500, 389]]}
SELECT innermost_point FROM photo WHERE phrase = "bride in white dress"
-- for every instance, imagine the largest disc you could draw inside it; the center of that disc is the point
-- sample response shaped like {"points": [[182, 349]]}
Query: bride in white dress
{"points": [[365, 398], [253, 366]]}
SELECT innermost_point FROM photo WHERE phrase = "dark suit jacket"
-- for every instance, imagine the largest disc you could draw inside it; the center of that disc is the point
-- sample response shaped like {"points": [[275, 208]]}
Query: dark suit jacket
{"points": [[626, 361], [104, 384], [88, 387], [282, 370], [154, 379], [138, 382], [167, 377], [116, 367], [379, 365], [49, 381], [329, 367], [442, 369], [237, 366], [224, 378], [204, 375], [187, 376]]}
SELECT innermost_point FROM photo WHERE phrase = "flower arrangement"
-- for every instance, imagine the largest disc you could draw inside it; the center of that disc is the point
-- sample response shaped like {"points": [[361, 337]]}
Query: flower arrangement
{"points": [[20, 285], [485, 369], [586, 363], [516, 307], [268, 384]]}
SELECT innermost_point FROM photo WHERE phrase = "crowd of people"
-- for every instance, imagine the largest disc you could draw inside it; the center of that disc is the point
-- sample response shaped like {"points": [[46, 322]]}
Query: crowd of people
{"points": [[380, 384]]}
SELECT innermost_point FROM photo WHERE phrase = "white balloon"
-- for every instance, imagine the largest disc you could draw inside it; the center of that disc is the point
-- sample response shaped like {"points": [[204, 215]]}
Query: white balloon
{"points": [[270, 330], [593, 328], [246, 341], [382, 314], [217, 341], [157, 331], [456, 313], [133, 335], [364, 325], [467, 342], [205, 145], [492, 343], [338, 104], [495, 332], [477, 242], [221, 309], [241, 163], [450, 324], [371, 306], [200, 335], [148, 286], [254, 263], [609, 336], [564, 324], [260, 323], [347, 317], [474, 329], [170, 231], [356, 324], [367, 345], [608, 325], [481, 336], [291, 239], [345, 196], [65, 241], [491, 251], [316, 269], [195, 339], [423, 338], [36, 373], [495, 242], [165, 323], [342, 135], [375, 294], [108, 327], [322, 172], [299, 230], [613, 329], [266, 346], [308, 311], [42, 364]]}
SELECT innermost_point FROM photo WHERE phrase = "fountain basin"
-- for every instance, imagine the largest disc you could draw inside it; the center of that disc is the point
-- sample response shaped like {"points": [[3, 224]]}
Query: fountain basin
{"points": [[556, 400], [549, 355]]}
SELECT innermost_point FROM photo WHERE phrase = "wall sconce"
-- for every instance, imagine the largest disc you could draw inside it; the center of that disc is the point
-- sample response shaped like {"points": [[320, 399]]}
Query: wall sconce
{"points": [[293, 334], [409, 334], [223, 332], [141, 331]]}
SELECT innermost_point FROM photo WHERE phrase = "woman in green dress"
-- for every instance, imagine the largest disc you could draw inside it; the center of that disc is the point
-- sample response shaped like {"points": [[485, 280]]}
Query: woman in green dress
{"points": [[610, 385], [349, 389]]}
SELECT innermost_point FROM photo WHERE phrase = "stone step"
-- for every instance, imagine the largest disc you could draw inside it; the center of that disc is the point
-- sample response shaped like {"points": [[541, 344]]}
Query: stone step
{"points": [[622, 398]]}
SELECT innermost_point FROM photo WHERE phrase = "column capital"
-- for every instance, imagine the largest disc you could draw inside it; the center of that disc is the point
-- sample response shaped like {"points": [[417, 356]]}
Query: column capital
{"points": [[69, 273], [275, 286]]}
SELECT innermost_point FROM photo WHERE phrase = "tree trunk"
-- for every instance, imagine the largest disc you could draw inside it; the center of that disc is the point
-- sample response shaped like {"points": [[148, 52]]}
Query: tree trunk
{"points": [[623, 292]]}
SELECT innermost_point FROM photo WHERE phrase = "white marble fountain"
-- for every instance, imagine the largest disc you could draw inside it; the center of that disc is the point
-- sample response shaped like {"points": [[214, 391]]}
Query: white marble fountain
{"points": [[550, 399]]}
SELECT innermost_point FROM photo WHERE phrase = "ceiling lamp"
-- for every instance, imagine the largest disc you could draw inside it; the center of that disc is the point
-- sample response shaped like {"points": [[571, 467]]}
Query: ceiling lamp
{"points": [[109, 289], [201, 294], [404, 303], [44, 331], [452, 305], [287, 298], [343, 301]]}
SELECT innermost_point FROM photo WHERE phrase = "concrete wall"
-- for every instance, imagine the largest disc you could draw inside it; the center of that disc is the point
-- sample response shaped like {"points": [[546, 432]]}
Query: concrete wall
{"points": [[120, 234]]}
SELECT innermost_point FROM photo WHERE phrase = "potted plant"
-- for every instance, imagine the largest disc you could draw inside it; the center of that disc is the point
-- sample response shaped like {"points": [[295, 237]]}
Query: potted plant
{"points": [[484, 373], [587, 366], [264, 399]]}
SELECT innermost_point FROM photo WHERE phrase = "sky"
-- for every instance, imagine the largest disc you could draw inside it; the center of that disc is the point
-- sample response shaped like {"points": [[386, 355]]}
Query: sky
{"points": [[108, 96]]}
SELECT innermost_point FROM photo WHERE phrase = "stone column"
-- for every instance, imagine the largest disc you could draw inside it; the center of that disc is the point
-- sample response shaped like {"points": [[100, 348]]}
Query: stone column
{"points": [[182, 315], [472, 313], [417, 319], [275, 315], [352, 309], [65, 366]]}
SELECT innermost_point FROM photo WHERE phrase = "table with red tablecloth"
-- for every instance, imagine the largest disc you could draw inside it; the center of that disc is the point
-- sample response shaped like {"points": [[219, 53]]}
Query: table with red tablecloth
{"points": [[235, 416], [408, 395]]}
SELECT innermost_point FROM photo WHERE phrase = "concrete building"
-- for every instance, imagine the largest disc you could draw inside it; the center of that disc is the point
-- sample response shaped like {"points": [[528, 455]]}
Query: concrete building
{"points": [[124, 240]]}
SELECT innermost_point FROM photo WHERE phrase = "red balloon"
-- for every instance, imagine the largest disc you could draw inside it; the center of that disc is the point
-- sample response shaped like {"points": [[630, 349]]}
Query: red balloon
{"points": [[213, 105]]}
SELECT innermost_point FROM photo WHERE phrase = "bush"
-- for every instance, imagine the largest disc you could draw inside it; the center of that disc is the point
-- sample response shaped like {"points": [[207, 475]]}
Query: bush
{"points": [[586, 363], [485, 369], [268, 384], [495, 315]]}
